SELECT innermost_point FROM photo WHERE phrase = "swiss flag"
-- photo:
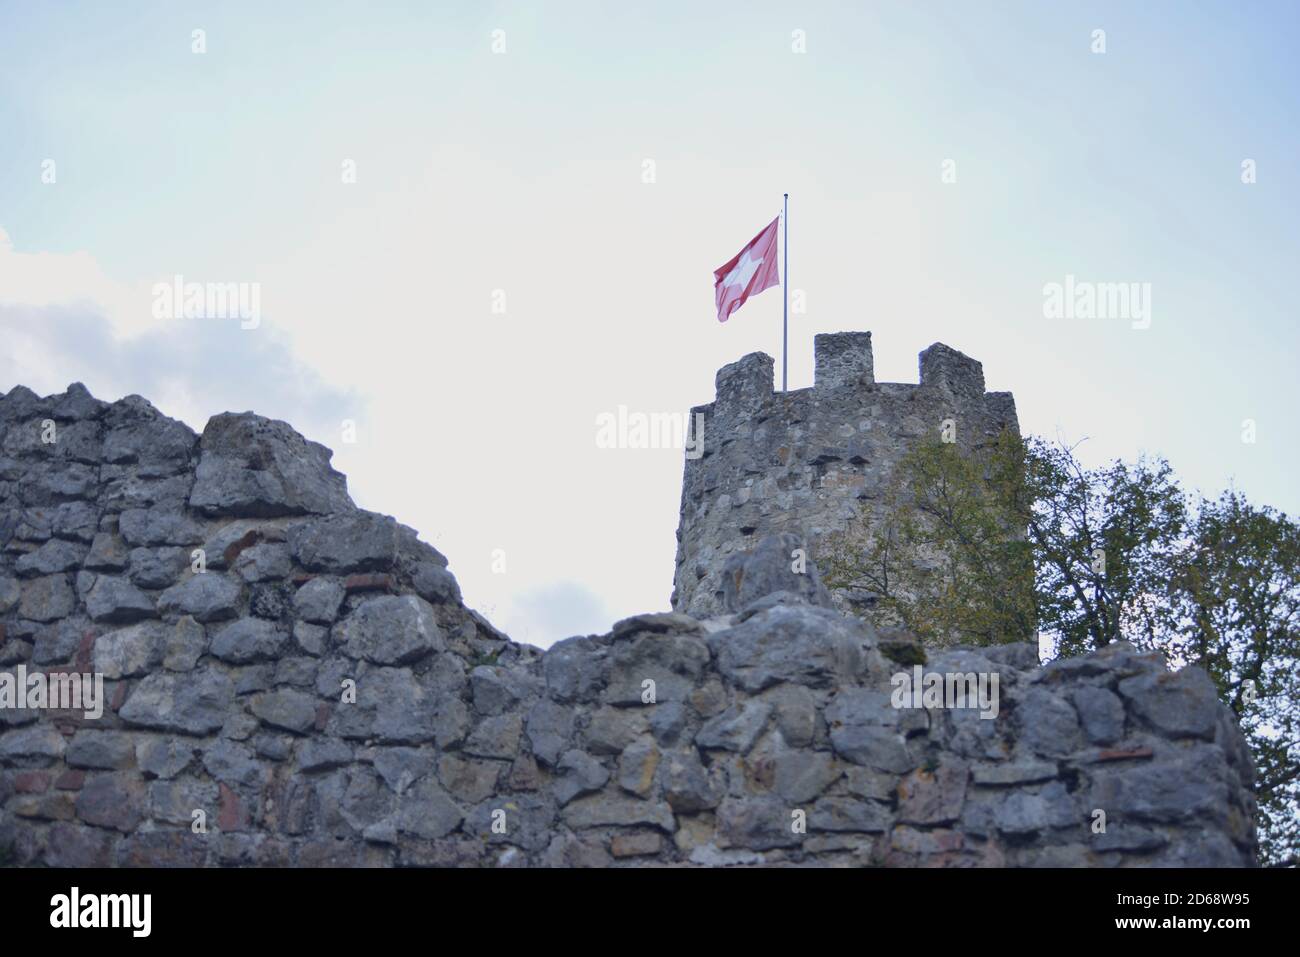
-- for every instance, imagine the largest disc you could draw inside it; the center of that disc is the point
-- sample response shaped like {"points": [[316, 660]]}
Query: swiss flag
{"points": [[748, 273]]}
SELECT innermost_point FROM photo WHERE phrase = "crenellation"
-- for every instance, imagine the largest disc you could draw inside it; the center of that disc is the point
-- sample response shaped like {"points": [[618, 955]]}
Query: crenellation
{"points": [[943, 367], [843, 360], [746, 382], [810, 460], [1001, 407]]}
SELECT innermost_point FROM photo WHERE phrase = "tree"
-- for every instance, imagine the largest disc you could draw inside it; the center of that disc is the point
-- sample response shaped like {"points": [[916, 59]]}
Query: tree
{"points": [[984, 547], [1102, 543], [945, 555], [1233, 608]]}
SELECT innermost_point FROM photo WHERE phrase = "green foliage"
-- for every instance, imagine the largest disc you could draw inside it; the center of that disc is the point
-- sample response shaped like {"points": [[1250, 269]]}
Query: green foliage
{"points": [[1233, 607], [985, 547], [905, 653], [946, 555], [1102, 541], [481, 659]]}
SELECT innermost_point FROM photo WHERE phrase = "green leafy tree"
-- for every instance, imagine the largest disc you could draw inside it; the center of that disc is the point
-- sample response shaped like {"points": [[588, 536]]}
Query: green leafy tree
{"points": [[946, 555], [1103, 541], [1233, 608], [984, 547]]}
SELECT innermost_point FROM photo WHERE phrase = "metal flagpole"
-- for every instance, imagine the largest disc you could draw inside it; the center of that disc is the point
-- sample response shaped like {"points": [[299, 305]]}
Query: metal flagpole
{"points": [[785, 292]]}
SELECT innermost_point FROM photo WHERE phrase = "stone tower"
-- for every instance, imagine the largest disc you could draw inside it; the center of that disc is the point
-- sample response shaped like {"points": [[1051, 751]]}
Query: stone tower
{"points": [[808, 460]]}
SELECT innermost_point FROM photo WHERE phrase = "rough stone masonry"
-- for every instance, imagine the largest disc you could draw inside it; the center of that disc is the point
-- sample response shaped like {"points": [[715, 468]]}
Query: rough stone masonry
{"points": [[290, 680], [810, 460]]}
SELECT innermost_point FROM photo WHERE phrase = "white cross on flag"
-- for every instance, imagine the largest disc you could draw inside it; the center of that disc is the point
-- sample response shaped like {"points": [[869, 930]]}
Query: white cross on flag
{"points": [[748, 273]]}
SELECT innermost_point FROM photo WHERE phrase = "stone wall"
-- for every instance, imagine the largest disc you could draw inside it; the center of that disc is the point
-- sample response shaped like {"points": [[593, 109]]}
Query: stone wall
{"points": [[302, 678], [808, 461]]}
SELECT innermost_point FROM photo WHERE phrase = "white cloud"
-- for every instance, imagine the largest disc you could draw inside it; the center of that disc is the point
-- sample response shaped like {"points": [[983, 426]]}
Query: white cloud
{"points": [[190, 369], [63, 319], [49, 279]]}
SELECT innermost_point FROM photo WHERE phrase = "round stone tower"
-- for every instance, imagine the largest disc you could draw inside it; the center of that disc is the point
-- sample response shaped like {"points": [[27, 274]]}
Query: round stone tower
{"points": [[808, 460]]}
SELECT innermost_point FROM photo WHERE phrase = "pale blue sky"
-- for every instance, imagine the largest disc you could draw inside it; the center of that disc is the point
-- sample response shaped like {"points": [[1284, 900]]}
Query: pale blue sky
{"points": [[523, 171]]}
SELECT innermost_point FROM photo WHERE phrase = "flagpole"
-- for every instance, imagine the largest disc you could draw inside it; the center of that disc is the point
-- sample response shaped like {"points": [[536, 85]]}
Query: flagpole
{"points": [[785, 292]]}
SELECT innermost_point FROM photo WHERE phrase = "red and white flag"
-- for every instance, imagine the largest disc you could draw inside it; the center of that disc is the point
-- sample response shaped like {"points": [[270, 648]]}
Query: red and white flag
{"points": [[748, 273]]}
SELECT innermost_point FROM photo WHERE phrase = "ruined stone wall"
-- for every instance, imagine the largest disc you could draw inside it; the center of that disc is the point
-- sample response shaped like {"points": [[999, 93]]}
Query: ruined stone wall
{"points": [[808, 461], [302, 677]]}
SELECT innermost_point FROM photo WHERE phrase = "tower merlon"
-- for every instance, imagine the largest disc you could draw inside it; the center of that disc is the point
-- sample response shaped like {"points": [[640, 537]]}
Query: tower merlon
{"points": [[943, 367], [843, 360], [747, 379], [1001, 407]]}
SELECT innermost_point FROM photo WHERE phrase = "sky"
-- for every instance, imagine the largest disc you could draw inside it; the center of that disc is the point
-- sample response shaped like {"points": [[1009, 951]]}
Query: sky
{"points": [[475, 228]]}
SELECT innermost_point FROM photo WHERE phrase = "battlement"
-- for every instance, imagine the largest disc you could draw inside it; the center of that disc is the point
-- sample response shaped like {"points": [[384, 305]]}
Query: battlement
{"points": [[745, 381], [810, 460], [943, 367], [843, 361]]}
